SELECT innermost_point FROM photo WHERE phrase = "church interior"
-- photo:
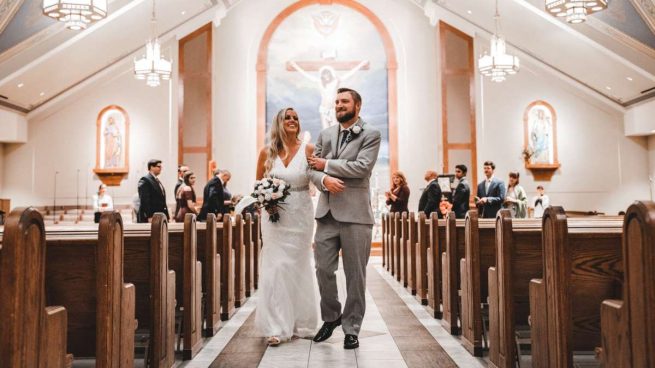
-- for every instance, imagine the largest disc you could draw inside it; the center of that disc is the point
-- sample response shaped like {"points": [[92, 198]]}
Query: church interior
{"points": [[552, 102]]}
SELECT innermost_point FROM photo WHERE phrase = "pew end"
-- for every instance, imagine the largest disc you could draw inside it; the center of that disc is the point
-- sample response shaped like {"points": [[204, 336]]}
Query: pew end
{"points": [[615, 350]]}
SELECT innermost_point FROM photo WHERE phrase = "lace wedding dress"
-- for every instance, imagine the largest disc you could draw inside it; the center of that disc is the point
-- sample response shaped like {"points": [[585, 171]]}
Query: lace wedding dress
{"points": [[287, 296]]}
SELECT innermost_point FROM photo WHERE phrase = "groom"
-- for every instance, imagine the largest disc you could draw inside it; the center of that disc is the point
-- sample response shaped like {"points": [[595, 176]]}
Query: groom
{"points": [[344, 157]]}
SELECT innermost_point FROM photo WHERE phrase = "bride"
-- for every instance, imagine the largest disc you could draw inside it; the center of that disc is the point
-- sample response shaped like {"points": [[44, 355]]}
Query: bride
{"points": [[287, 303]]}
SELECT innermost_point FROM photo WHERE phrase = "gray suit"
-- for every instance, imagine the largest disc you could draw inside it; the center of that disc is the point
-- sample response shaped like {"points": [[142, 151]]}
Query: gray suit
{"points": [[345, 221]]}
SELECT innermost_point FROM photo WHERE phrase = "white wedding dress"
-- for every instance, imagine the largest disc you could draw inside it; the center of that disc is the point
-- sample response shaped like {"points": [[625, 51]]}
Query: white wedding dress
{"points": [[287, 296]]}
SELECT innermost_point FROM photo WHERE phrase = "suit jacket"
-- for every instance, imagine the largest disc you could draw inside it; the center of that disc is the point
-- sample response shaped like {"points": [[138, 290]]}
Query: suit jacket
{"points": [[212, 198], [179, 183], [430, 198], [352, 163], [496, 195], [152, 196], [461, 198]]}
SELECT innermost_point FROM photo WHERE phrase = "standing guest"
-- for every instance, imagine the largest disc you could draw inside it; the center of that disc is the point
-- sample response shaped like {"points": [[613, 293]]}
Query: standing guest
{"points": [[101, 202], [398, 196], [431, 196], [152, 195], [491, 193], [186, 196], [540, 202], [181, 169], [462, 192], [213, 197], [227, 196], [516, 199]]}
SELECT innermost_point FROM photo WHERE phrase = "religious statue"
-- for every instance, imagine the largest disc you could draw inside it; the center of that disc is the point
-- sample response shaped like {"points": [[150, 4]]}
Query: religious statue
{"points": [[540, 126], [328, 82], [113, 140]]}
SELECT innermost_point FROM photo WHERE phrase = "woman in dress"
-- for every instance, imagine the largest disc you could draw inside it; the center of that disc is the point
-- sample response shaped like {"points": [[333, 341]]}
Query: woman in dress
{"points": [[516, 199], [398, 196], [101, 202], [287, 302], [186, 197]]}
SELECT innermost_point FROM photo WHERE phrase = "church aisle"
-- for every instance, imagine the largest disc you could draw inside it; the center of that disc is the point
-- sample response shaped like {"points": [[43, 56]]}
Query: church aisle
{"points": [[397, 332]]}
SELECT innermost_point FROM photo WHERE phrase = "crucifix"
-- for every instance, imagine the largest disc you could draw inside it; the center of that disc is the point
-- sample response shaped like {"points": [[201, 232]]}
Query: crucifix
{"points": [[328, 81]]}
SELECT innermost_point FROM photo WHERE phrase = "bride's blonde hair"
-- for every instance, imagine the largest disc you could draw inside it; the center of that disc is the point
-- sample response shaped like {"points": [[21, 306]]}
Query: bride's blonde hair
{"points": [[277, 138]]}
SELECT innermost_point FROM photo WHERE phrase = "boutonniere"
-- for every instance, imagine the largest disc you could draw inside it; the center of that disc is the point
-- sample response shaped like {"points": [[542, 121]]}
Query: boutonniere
{"points": [[354, 132]]}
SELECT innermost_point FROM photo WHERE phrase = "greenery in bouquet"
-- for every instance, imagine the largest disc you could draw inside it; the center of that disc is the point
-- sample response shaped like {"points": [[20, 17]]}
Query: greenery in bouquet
{"points": [[270, 193]]}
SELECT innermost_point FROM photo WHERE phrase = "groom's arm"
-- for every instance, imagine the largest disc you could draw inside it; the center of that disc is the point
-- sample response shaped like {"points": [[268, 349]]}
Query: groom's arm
{"points": [[362, 166]]}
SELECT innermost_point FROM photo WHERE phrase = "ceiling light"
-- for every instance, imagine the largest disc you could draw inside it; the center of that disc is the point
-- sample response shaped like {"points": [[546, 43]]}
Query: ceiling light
{"points": [[608, 88], [152, 67], [42, 94], [498, 64], [470, 12], [628, 78], [20, 85], [76, 14], [575, 11], [183, 12]]}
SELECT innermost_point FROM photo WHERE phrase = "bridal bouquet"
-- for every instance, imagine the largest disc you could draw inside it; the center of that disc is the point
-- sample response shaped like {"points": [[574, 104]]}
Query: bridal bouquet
{"points": [[269, 193]]}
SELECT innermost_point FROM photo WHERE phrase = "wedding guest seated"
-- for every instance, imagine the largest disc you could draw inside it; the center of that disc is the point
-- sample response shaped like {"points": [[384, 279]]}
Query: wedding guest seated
{"points": [[398, 195], [101, 202], [540, 202], [516, 199], [186, 196]]}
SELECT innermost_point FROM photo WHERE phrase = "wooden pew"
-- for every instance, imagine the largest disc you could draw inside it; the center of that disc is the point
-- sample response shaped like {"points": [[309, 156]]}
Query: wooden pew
{"points": [[208, 255], [191, 291], [385, 264], [412, 240], [238, 247], [146, 266], [225, 233], [397, 245], [391, 225], [453, 248], [436, 241], [404, 252], [257, 247], [628, 325], [581, 268], [85, 275], [479, 255], [422, 246], [31, 334], [249, 254]]}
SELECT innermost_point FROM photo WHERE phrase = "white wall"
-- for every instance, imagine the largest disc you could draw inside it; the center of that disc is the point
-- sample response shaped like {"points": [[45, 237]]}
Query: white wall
{"points": [[62, 138], [639, 119], [13, 126]]}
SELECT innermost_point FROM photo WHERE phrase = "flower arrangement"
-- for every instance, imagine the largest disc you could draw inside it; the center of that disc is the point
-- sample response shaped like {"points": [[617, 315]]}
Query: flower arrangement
{"points": [[270, 193], [354, 132]]}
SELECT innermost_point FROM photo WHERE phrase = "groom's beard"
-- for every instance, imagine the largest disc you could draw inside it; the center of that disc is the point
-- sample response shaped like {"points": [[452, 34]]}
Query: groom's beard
{"points": [[345, 117]]}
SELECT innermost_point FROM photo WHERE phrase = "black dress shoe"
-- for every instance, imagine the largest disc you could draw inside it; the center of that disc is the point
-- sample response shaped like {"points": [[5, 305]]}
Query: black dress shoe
{"points": [[351, 342], [326, 330]]}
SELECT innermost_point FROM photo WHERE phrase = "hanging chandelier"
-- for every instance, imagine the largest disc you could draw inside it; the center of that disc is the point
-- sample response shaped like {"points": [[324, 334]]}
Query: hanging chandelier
{"points": [[575, 11], [153, 67], [498, 64], [76, 14]]}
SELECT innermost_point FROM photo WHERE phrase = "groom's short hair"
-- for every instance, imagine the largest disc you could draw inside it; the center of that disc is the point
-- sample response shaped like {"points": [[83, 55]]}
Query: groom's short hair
{"points": [[355, 95]]}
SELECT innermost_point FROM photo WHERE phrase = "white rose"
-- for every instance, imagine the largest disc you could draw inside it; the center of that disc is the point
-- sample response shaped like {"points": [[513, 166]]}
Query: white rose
{"points": [[357, 129], [268, 196], [260, 199], [276, 181], [275, 196], [266, 184], [260, 188], [281, 187]]}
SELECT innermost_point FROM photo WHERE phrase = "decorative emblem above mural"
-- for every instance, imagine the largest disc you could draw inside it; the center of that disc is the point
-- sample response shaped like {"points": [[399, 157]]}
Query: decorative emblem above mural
{"points": [[112, 143]]}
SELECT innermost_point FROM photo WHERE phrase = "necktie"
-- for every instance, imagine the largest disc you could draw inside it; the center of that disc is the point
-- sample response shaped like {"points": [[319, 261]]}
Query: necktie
{"points": [[160, 185], [344, 136], [486, 186]]}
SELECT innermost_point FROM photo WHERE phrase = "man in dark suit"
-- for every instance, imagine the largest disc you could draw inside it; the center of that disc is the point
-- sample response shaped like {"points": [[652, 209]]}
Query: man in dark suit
{"points": [[181, 169], [152, 195], [462, 192], [213, 195], [431, 195], [491, 193]]}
